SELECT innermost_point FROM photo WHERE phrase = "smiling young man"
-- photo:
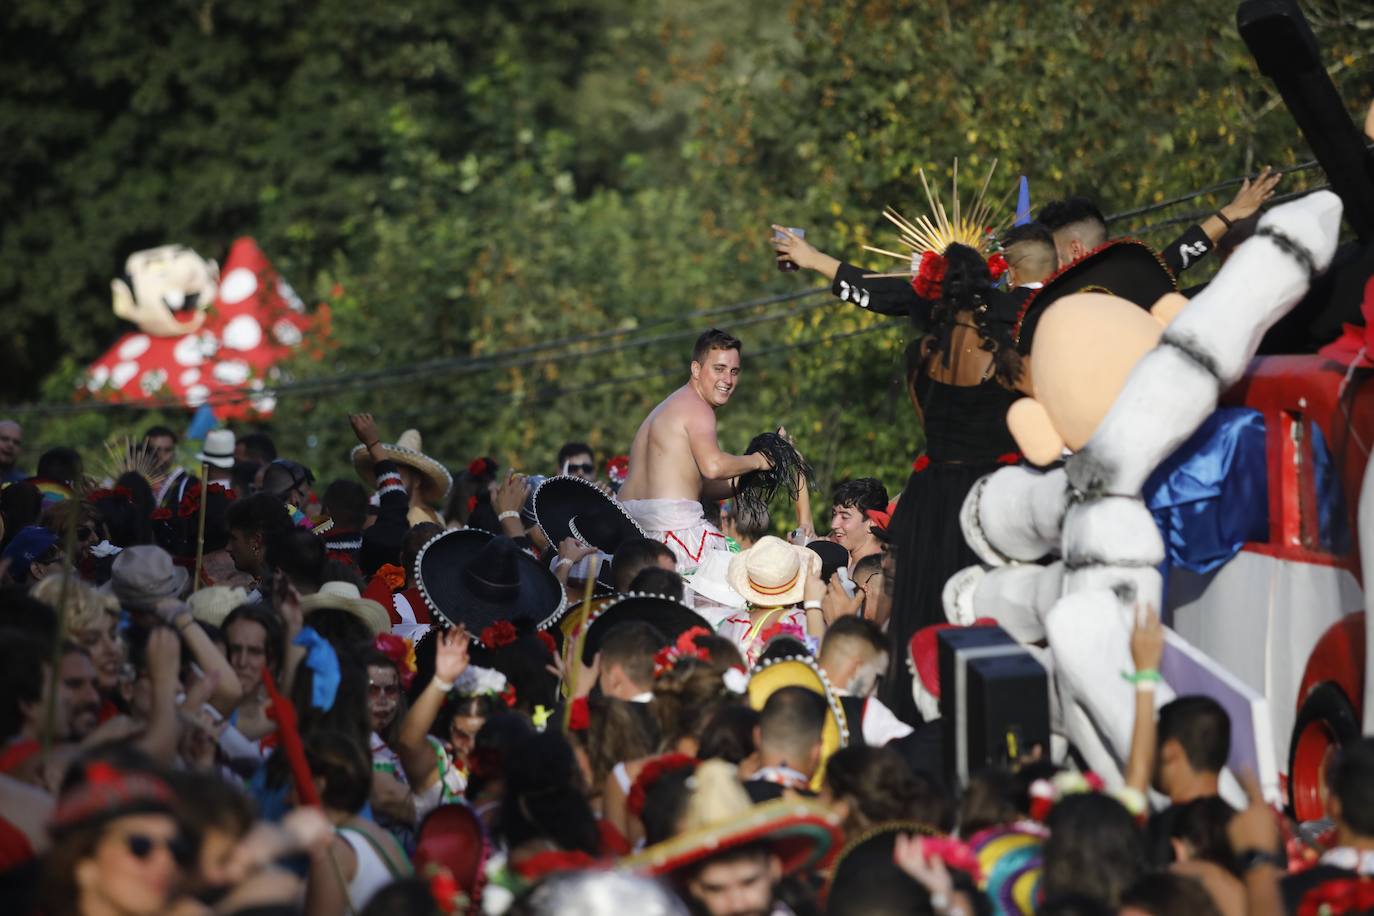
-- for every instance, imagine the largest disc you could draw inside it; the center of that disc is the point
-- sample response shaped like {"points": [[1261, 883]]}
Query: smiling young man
{"points": [[676, 462], [850, 525]]}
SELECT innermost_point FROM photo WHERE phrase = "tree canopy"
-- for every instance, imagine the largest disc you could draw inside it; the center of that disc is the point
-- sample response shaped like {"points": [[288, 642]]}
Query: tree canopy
{"points": [[522, 214]]}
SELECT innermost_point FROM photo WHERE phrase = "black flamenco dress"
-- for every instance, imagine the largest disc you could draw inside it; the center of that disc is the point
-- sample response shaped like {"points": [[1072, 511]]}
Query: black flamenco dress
{"points": [[966, 438]]}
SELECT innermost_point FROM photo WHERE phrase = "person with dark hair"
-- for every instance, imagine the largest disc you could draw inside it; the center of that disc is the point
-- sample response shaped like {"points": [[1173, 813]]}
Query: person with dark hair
{"points": [[676, 461], [729, 736], [253, 522], [344, 505], [255, 639], [1350, 806], [1080, 228], [289, 481], [299, 556], [576, 459], [1193, 738], [363, 854], [626, 661], [1031, 255], [636, 554], [854, 656], [851, 526], [789, 740], [60, 465], [658, 581], [1094, 849], [869, 785], [544, 808], [744, 523], [160, 444], [256, 447], [1168, 894]]}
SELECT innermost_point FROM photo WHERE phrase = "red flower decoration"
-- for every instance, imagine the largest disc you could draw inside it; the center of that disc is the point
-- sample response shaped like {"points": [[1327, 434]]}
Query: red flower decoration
{"points": [[443, 888], [481, 467], [1009, 458], [579, 715], [188, 508], [929, 276], [654, 769], [547, 641], [393, 575], [508, 695], [920, 464], [402, 655], [1352, 895], [501, 633], [997, 265], [547, 863], [685, 647], [618, 468], [160, 515]]}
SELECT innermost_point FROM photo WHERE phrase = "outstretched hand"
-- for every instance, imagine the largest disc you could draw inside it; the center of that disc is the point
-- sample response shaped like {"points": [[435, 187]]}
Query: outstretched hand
{"points": [[364, 427], [790, 247], [511, 495], [1147, 640], [1252, 195], [930, 872], [451, 654]]}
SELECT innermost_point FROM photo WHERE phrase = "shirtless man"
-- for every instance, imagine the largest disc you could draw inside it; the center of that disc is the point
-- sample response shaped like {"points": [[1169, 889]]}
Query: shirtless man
{"points": [[675, 461]]}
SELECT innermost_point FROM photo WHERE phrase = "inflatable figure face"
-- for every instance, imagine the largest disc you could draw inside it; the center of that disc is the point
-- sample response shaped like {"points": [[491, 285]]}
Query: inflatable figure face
{"points": [[1085, 347], [168, 290]]}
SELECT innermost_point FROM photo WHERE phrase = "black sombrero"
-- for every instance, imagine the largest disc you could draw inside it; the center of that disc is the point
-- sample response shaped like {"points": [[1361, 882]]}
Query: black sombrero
{"points": [[865, 862], [1126, 268], [472, 578], [570, 507], [670, 618]]}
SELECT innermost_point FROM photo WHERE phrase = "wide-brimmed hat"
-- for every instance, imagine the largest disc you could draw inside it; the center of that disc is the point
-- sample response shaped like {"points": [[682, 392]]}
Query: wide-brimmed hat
{"points": [[407, 450], [866, 861], [104, 793], [143, 575], [669, 617], [1125, 268], [1012, 860], [218, 448], [773, 573], [802, 671], [452, 838], [569, 506], [214, 603], [344, 596], [802, 834], [472, 578]]}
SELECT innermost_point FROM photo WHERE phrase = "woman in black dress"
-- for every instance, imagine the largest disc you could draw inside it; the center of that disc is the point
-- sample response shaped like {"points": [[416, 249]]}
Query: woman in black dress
{"points": [[951, 378]]}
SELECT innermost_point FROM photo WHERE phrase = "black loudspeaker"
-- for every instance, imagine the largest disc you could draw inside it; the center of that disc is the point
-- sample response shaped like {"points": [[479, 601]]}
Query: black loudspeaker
{"points": [[994, 701]]}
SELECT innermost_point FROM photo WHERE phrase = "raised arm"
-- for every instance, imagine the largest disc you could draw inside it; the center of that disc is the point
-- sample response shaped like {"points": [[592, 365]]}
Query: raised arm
{"points": [[450, 661], [711, 461], [1147, 651], [884, 295]]}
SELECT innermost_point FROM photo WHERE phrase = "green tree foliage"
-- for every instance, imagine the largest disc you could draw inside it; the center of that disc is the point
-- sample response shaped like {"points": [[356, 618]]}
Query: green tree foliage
{"points": [[461, 181]]}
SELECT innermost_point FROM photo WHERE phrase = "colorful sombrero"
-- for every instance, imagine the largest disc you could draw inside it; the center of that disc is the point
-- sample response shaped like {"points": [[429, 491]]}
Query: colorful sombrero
{"points": [[1011, 858], [802, 671]]}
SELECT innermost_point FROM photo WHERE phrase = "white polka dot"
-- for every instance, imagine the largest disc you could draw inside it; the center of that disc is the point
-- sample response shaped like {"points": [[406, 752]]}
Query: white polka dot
{"points": [[122, 374], [134, 347], [286, 332], [237, 285], [99, 376], [293, 301], [194, 349], [231, 372], [264, 403], [190, 377], [196, 395], [152, 381], [242, 333]]}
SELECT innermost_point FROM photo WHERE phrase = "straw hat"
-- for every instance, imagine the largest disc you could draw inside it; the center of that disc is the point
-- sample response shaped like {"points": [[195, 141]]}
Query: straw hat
{"points": [[719, 817], [344, 596], [773, 573], [407, 450], [212, 604]]}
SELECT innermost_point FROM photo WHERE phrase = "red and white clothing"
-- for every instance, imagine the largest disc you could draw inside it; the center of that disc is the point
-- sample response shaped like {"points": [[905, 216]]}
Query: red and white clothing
{"points": [[751, 634], [680, 524]]}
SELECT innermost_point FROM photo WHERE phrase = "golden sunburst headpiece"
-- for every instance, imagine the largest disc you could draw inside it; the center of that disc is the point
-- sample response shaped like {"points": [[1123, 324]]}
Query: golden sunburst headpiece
{"points": [[975, 225]]}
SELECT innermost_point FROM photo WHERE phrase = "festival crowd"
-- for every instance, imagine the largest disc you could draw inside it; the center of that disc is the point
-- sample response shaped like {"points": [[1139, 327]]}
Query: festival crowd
{"points": [[230, 687]]}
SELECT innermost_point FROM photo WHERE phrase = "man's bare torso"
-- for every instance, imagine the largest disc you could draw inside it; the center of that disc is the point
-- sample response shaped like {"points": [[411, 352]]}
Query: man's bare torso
{"points": [[661, 462]]}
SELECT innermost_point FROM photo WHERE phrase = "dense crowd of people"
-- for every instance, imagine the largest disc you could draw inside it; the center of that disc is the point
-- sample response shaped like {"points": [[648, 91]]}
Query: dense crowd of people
{"points": [[229, 687]]}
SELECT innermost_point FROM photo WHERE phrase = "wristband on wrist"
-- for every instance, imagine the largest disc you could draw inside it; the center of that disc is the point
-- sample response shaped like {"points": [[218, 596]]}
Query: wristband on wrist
{"points": [[811, 605], [445, 686], [1226, 222], [1248, 859], [509, 513], [564, 561], [372, 443], [1143, 676]]}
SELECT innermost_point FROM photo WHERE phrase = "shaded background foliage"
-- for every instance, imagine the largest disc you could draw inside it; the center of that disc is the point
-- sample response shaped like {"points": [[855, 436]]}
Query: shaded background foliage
{"points": [[458, 180]]}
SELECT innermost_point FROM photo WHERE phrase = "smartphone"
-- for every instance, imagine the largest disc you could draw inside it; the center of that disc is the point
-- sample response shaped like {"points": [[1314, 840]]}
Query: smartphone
{"points": [[788, 265]]}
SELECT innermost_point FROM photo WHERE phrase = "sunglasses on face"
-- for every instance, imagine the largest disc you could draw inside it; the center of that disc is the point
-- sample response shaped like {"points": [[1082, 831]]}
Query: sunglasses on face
{"points": [[581, 468], [141, 847]]}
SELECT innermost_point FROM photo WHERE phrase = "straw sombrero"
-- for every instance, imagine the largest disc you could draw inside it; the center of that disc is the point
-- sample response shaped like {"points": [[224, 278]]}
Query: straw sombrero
{"points": [[407, 450], [474, 579], [772, 573], [802, 671], [344, 596], [802, 834], [669, 617]]}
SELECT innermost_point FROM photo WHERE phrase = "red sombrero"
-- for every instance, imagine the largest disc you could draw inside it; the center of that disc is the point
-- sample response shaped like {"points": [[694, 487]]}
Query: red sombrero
{"points": [[923, 652], [803, 834]]}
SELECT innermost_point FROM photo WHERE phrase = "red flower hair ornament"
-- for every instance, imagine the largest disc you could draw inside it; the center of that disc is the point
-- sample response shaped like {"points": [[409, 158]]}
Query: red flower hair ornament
{"points": [[685, 647], [501, 633], [929, 276], [997, 266], [655, 769]]}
